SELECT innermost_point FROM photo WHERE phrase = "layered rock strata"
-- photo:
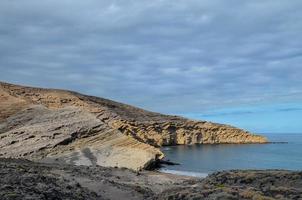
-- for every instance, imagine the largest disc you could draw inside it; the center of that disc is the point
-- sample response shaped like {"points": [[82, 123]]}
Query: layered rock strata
{"points": [[70, 127]]}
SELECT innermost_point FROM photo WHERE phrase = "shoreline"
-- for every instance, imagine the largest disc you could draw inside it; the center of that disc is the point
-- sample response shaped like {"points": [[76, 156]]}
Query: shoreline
{"points": [[184, 173]]}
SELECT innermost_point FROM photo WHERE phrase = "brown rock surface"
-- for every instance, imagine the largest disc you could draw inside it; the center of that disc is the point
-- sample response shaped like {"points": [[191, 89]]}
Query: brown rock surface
{"points": [[66, 126]]}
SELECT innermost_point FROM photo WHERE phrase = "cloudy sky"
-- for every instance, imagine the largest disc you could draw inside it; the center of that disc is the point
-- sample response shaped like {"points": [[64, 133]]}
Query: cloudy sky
{"points": [[234, 61]]}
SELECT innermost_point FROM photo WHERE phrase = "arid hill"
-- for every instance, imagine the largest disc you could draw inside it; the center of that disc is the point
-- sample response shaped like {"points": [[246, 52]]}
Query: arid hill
{"points": [[64, 126]]}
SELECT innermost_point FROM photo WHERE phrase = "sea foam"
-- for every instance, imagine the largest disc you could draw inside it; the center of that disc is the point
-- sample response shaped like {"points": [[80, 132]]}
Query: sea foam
{"points": [[184, 173]]}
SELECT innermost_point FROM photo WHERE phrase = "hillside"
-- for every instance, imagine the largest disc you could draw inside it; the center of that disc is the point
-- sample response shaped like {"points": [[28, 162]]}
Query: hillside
{"points": [[64, 126]]}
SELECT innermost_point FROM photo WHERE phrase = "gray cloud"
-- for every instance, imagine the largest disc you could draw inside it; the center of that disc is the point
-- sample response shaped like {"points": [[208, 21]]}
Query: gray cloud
{"points": [[168, 56]]}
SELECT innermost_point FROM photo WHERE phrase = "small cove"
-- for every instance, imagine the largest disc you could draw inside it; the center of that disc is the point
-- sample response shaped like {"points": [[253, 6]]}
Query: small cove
{"points": [[200, 160]]}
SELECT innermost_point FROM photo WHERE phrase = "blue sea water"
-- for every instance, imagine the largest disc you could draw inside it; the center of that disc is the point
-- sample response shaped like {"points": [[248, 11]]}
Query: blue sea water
{"points": [[200, 160]]}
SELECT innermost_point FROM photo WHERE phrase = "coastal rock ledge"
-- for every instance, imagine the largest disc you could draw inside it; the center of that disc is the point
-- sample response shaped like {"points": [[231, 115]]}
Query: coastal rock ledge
{"points": [[64, 126]]}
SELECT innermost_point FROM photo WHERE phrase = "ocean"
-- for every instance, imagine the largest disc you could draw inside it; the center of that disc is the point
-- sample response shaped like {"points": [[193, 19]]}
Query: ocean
{"points": [[201, 160]]}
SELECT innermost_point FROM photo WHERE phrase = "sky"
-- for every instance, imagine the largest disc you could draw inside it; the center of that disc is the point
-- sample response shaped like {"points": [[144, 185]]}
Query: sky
{"points": [[235, 61]]}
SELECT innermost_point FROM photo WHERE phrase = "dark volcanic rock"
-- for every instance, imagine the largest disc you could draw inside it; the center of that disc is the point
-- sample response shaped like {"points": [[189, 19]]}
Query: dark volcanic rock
{"points": [[22, 179], [237, 184], [25, 180]]}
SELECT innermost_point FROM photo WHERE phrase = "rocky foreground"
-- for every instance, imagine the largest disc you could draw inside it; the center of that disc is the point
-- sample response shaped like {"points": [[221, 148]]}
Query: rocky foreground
{"points": [[68, 127], [22, 179]]}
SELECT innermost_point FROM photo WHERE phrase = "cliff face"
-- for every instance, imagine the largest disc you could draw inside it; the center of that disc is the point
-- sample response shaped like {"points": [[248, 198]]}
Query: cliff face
{"points": [[70, 127], [185, 132]]}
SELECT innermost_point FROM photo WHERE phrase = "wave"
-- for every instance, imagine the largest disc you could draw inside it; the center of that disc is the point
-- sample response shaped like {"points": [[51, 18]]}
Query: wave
{"points": [[184, 173], [166, 148]]}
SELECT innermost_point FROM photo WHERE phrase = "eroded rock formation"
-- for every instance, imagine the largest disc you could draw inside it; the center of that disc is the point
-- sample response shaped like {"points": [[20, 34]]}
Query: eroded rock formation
{"points": [[74, 128]]}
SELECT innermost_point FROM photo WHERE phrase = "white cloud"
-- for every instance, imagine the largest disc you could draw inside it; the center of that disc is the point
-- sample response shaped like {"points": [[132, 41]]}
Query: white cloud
{"points": [[186, 54]]}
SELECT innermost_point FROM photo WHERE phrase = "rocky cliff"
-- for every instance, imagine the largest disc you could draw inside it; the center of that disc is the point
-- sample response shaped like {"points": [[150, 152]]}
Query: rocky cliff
{"points": [[66, 126]]}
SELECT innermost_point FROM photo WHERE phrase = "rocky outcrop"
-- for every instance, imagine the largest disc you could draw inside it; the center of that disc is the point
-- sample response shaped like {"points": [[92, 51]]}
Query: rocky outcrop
{"points": [[71, 135], [241, 184], [185, 132], [21, 179], [70, 127]]}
